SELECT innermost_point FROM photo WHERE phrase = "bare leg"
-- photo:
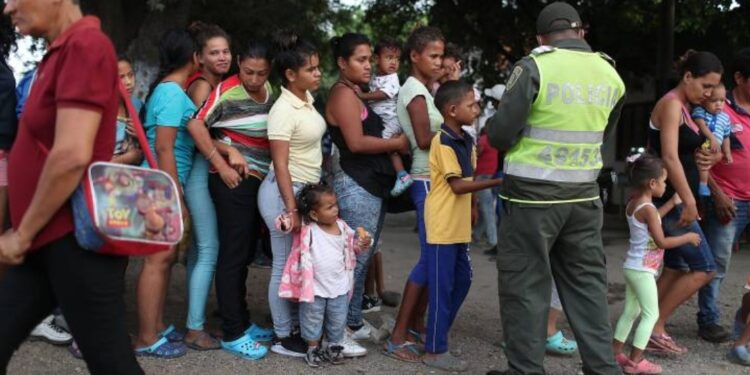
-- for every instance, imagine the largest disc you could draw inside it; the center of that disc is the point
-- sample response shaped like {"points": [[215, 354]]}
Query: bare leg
{"points": [[377, 263], [617, 346], [636, 355], [552, 321], [417, 317], [744, 338], [409, 303], [680, 291], [398, 164], [151, 295], [666, 281], [370, 280]]}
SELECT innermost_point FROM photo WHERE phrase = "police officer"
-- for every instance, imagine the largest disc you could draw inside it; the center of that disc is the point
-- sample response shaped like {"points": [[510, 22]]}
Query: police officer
{"points": [[559, 103]]}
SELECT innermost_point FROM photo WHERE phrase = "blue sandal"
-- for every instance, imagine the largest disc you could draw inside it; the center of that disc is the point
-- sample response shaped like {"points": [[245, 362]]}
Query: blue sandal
{"points": [[162, 348], [559, 345], [245, 347], [259, 333], [397, 351], [172, 334]]}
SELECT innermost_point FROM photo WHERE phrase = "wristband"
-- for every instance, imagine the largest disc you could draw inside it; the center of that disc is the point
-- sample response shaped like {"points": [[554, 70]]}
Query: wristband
{"points": [[211, 155]]}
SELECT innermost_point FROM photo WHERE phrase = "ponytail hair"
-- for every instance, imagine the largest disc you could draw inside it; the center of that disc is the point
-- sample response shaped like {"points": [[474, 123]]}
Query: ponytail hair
{"points": [[698, 64], [642, 168], [291, 53], [309, 197], [203, 32], [344, 46], [176, 49]]}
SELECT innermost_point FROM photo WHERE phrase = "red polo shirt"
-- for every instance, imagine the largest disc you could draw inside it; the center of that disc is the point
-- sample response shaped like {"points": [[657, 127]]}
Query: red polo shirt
{"points": [[733, 178], [78, 71]]}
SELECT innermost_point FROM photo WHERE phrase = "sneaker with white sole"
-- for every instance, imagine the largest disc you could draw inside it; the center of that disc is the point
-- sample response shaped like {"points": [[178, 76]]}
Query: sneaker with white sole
{"points": [[351, 348], [315, 357], [292, 346], [363, 333], [48, 331], [370, 304]]}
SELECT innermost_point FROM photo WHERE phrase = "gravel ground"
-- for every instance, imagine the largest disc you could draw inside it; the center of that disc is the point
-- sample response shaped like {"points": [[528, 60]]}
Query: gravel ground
{"points": [[474, 336]]}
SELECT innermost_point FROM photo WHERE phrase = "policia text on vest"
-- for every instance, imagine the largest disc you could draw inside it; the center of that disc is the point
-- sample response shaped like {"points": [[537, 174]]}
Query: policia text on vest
{"points": [[565, 127]]}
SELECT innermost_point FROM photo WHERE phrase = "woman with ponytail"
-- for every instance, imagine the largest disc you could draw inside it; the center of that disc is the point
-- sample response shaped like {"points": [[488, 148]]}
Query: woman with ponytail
{"points": [[295, 131], [168, 110], [214, 58], [675, 138]]}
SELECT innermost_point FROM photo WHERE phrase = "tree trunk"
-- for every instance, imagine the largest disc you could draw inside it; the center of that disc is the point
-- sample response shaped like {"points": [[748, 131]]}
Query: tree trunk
{"points": [[135, 27]]}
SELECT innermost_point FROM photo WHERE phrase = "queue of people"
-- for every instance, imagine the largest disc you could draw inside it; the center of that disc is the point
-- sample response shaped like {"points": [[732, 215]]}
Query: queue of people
{"points": [[249, 159]]}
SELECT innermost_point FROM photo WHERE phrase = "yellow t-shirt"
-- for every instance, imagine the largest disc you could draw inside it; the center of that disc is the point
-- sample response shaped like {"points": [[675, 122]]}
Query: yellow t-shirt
{"points": [[298, 123], [447, 215]]}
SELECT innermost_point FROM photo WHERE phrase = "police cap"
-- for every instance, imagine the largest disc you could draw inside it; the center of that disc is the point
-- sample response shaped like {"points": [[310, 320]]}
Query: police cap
{"points": [[557, 16]]}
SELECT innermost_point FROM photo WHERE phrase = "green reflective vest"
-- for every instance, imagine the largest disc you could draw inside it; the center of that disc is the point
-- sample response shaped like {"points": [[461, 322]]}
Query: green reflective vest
{"points": [[565, 127]]}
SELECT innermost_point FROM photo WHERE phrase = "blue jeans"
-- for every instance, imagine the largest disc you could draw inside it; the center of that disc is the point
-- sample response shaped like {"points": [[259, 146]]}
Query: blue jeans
{"points": [[328, 312], [271, 205], [695, 258], [487, 223], [418, 192], [720, 237], [202, 255], [358, 208]]}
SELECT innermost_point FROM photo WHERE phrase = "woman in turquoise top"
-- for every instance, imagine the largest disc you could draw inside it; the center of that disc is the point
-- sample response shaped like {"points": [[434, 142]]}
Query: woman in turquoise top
{"points": [[168, 110]]}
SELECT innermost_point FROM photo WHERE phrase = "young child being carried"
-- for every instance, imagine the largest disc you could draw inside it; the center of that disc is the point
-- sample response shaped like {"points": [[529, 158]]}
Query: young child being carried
{"points": [[716, 127], [648, 178], [741, 332], [448, 219], [319, 272], [384, 95]]}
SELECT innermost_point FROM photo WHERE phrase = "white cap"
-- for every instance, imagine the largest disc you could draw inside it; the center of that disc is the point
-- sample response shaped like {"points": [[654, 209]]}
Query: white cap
{"points": [[496, 92]]}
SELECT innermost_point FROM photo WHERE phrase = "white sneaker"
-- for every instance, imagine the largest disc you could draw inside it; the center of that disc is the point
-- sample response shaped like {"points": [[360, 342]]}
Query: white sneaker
{"points": [[351, 348], [363, 333], [48, 331]]}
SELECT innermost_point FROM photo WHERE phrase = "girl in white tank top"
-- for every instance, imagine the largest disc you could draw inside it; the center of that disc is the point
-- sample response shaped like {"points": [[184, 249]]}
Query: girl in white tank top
{"points": [[648, 178]]}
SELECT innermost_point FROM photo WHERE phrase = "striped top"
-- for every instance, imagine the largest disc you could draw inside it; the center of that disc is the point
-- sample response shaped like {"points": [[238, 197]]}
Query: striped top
{"points": [[237, 120]]}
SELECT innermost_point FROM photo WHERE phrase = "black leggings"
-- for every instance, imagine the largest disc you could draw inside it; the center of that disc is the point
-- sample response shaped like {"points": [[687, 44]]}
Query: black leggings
{"points": [[88, 288], [238, 221]]}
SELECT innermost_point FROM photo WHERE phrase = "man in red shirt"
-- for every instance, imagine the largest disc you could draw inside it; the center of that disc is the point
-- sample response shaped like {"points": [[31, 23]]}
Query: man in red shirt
{"points": [[68, 123], [727, 215]]}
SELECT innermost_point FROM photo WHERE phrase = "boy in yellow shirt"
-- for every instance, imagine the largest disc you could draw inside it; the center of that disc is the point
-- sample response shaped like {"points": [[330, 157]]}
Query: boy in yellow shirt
{"points": [[448, 219]]}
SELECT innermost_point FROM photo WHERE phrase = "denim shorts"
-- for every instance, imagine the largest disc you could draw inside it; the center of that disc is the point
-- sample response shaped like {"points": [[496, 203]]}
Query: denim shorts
{"points": [[687, 257]]}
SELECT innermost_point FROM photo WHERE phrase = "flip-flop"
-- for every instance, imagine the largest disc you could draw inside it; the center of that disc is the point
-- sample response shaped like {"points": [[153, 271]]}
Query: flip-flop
{"points": [[203, 336], [664, 344], [557, 344], [396, 351], [162, 348], [419, 338], [172, 334]]}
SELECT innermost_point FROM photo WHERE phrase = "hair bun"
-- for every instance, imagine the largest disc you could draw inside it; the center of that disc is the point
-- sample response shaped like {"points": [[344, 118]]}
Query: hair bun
{"points": [[196, 27]]}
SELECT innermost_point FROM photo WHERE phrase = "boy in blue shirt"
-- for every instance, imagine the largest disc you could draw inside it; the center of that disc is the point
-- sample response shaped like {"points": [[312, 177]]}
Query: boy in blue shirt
{"points": [[448, 219]]}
